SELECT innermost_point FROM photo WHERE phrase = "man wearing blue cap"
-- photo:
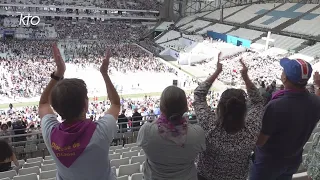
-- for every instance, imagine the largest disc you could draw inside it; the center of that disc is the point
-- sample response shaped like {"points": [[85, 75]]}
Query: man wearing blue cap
{"points": [[287, 124]]}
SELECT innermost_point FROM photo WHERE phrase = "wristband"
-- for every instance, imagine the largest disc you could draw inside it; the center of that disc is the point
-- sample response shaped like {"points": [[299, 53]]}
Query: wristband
{"points": [[55, 77]]}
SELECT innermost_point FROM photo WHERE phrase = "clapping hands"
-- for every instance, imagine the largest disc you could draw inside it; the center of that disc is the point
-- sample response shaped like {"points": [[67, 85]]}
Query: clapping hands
{"points": [[105, 63]]}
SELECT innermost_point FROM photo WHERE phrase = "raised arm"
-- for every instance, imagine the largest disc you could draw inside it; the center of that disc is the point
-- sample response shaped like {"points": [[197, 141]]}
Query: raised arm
{"points": [[44, 104], [203, 112], [112, 93], [254, 96], [254, 115]]}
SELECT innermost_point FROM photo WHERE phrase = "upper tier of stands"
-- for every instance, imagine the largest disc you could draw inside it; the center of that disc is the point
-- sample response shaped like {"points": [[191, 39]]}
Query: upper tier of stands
{"points": [[227, 11], [249, 12], [306, 26], [282, 14], [114, 4], [220, 28]]}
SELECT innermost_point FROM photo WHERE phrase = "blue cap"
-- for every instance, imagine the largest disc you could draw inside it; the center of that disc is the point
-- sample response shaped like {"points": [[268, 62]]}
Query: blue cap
{"points": [[297, 71]]}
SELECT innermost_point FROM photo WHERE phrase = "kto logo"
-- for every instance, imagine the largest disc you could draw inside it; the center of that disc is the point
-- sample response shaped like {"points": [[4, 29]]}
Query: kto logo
{"points": [[26, 20]]}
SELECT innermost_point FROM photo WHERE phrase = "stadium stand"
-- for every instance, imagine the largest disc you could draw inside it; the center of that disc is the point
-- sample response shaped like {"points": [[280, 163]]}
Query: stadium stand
{"points": [[195, 25], [220, 28], [284, 42], [227, 12], [249, 12], [246, 33], [306, 25]]}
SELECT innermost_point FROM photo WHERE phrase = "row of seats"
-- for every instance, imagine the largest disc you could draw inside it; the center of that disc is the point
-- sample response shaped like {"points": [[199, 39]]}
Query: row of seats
{"points": [[308, 27], [246, 33], [43, 175], [284, 42], [219, 28], [168, 36], [190, 18], [195, 25], [226, 12], [249, 12], [312, 51]]}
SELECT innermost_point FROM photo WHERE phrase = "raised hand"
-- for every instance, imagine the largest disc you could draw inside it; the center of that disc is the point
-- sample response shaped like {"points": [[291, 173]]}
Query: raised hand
{"points": [[60, 64], [219, 65], [316, 78], [244, 69], [105, 62]]}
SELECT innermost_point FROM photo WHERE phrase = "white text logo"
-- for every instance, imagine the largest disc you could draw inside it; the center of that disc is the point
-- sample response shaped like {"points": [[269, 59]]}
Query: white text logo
{"points": [[27, 20]]}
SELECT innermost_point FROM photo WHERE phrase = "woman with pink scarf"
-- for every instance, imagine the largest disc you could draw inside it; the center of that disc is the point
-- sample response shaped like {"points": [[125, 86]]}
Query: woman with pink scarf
{"points": [[170, 143]]}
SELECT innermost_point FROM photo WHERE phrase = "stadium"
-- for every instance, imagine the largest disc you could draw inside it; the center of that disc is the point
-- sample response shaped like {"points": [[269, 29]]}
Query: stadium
{"points": [[153, 47]]}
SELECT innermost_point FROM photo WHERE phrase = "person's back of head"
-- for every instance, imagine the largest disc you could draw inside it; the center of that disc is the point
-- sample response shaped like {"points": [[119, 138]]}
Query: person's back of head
{"points": [[231, 110], [173, 103], [6, 151], [69, 98]]}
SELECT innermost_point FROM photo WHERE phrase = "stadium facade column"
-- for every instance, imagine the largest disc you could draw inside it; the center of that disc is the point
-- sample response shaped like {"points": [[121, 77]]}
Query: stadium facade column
{"points": [[167, 11]]}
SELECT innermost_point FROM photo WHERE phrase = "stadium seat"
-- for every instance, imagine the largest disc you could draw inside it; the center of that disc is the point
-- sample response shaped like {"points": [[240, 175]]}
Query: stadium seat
{"points": [[139, 159], [137, 176], [141, 152], [123, 178], [9, 174], [48, 174], [122, 150], [300, 176], [130, 154], [5, 178], [129, 169], [32, 176], [119, 162], [51, 161], [115, 147], [136, 148], [27, 165], [130, 145], [21, 162], [48, 167], [48, 158], [114, 156], [29, 170], [32, 160], [110, 151]]}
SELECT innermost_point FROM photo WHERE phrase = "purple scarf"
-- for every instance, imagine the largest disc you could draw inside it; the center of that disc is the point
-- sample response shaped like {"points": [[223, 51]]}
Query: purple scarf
{"points": [[175, 133], [69, 141], [280, 93]]}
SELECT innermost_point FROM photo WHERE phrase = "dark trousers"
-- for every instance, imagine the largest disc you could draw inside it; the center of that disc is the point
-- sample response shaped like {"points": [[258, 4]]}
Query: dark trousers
{"points": [[201, 177], [272, 171]]}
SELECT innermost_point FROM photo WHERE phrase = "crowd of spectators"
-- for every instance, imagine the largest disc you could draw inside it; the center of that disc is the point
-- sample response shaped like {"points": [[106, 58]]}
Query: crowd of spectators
{"points": [[154, 5]]}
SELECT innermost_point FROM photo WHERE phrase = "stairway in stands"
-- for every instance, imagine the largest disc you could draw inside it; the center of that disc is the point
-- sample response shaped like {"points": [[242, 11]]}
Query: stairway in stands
{"points": [[260, 15], [294, 20]]}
